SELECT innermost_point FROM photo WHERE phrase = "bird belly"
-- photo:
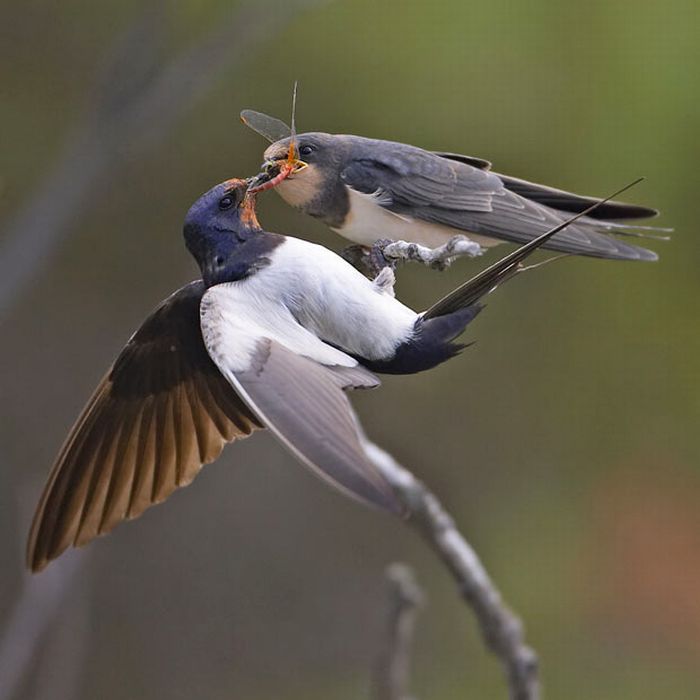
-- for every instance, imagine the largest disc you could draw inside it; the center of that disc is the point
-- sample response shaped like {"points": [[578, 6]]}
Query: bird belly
{"points": [[368, 221], [236, 315], [337, 303]]}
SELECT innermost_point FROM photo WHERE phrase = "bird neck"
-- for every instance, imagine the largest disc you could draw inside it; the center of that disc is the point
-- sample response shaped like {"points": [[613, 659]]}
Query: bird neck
{"points": [[228, 256], [319, 193], [333, 203]]}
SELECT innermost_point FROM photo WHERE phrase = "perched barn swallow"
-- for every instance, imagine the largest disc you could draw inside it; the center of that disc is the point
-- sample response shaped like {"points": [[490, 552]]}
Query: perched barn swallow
{"points": [[369, 189], [272, 336]]}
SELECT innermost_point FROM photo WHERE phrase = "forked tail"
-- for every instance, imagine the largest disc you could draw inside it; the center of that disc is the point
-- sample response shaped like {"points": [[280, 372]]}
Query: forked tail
{"points": [[487, 280]]}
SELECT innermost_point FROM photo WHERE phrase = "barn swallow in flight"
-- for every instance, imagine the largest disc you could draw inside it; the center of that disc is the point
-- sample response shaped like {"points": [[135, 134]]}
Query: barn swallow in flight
{"points": [[272, 336], [368, 190]]}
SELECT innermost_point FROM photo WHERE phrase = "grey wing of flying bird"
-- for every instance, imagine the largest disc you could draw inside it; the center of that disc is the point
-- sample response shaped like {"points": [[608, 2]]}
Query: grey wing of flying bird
{"points": [[370, 189]]}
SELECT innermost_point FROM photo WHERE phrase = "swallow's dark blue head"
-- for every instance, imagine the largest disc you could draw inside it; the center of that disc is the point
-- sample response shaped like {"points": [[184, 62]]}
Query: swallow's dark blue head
{"points": [[223, 233]]}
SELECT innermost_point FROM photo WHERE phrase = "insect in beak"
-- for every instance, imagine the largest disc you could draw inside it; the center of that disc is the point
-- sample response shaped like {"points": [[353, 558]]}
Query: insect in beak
{"points": [[275, 171]]}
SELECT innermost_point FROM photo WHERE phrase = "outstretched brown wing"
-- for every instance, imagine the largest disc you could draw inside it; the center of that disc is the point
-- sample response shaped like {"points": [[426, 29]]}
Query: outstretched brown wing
{"points": [[162, 411]]}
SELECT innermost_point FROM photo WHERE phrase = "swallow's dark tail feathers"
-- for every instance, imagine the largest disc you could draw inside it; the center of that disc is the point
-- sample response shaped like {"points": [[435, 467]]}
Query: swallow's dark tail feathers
{"points": [[575, 203], [609, 217], [469, 293]]}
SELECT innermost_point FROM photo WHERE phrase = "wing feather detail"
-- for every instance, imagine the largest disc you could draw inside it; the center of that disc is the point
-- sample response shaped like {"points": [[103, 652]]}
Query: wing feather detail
{"points": [[160, 413]]}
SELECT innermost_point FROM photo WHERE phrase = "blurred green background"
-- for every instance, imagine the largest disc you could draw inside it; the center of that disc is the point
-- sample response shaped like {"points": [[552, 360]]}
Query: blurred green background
{"points": [[565, 442]]}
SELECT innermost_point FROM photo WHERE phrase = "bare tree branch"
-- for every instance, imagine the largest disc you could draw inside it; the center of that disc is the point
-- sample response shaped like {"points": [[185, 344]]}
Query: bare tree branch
{"points": [[392, 673], [135, 105], [501, 630]]}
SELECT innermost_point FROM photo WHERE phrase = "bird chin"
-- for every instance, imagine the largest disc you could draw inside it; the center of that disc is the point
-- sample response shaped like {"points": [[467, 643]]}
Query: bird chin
{"points": [[301, 187]]}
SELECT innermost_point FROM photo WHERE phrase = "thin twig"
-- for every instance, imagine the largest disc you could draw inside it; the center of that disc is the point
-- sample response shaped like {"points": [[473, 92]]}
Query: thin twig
{"points": [[392, 673], [501, 630]]}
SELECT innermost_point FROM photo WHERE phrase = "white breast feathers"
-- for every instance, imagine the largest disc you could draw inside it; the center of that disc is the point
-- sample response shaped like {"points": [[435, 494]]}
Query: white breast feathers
{"points": [[309, 300]]}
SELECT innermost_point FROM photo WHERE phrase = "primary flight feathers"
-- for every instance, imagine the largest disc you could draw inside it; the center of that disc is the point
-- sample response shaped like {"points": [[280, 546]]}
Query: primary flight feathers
{"points": [[162, 411], [273, 336]]}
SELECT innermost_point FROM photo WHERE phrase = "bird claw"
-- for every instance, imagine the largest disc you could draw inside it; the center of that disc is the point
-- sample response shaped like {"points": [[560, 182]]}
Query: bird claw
{"points": [[384, 281], [370, 261], [377, 259], [356, 255]]}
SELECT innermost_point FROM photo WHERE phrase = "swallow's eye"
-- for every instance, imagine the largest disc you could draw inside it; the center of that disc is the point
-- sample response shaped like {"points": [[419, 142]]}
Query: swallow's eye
{"points": [[226, 202], [306, 150]]}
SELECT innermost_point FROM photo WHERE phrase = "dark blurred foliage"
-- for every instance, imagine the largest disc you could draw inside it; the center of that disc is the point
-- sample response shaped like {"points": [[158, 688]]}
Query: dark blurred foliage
{"points": [[565, 441]]}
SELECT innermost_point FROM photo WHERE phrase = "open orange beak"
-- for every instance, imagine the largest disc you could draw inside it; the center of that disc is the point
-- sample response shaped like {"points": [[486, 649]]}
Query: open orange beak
{"points": [[275, 171]]}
